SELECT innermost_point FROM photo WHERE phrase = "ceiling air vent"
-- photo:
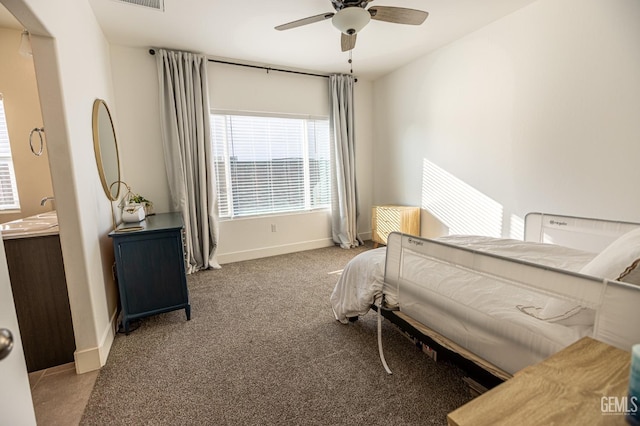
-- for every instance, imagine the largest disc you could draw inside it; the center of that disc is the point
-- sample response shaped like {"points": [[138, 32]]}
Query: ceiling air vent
{"points": [[152, 4]]}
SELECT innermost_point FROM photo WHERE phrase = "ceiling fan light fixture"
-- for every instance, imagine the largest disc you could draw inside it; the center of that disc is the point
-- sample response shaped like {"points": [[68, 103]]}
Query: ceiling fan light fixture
{"points": [[351, 20]]}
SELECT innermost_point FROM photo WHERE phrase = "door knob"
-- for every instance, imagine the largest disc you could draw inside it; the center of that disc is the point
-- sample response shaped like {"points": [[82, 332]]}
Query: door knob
{"points": [[6, 343]]}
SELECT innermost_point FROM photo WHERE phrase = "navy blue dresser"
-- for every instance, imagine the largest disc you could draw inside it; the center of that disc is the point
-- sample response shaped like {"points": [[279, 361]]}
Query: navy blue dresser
{"points": [[150, 267]]}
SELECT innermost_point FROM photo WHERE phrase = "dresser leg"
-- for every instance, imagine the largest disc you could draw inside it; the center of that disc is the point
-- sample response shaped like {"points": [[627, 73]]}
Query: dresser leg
{"points": [[187, 310]]}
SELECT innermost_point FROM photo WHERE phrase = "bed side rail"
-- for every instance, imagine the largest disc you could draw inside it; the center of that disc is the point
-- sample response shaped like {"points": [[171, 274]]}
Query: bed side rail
{"points": [[617, 304], [618, 319], [402, 248], [576, 232]]}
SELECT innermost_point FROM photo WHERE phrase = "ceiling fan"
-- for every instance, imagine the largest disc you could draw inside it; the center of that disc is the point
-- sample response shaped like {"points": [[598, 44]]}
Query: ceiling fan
{"points": [[351, 16]]}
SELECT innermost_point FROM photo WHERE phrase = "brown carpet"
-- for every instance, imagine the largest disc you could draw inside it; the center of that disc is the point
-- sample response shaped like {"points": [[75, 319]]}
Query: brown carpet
{"points": [[263, 348]]}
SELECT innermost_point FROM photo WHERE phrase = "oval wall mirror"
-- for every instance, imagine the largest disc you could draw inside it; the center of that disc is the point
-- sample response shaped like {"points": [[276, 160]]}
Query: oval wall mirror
{"points": [[106, 149]]}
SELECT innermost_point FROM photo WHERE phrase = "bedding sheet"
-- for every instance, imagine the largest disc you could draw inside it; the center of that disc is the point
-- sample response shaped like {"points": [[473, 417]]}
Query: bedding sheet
{"points": [[359, 285], [361, 281]]}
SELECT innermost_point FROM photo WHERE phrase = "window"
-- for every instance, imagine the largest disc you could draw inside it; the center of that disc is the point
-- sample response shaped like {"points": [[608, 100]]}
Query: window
{"points": [[268, 164], [8, 189]]}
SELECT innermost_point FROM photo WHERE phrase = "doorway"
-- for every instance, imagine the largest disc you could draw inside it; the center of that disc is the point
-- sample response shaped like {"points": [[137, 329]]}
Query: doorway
{"points": [[19, 90], [34, 183]]}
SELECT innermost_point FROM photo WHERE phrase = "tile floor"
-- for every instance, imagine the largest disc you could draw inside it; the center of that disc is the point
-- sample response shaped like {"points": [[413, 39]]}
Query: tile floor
{"points": [[60, 395]]}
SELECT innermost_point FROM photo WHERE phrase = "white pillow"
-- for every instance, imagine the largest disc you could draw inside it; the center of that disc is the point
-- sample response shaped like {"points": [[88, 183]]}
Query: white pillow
{"points": [[619, 260]]}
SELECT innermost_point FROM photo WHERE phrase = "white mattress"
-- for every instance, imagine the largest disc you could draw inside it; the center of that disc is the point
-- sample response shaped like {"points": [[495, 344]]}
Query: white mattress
{"points": [[477, 312]]}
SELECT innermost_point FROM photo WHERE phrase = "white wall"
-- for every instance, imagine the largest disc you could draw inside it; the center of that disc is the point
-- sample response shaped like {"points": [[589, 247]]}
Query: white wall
{"points": [[233, 88], [538, 111], [137, 123], [364, 154], [71, 60]]}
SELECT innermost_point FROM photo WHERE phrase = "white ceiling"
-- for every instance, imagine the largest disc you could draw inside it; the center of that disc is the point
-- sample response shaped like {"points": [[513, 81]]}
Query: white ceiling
{"points": [[244, 30], [7, 20]]}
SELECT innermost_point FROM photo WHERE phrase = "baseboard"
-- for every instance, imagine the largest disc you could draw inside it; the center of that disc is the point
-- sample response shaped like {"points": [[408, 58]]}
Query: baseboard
{"points": [[364, 236], [259, 253], [96, 357]]}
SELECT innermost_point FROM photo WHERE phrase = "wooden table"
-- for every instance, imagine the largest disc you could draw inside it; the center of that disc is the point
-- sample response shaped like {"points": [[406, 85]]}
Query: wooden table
{"points": [[387, 219], [566, 388]]}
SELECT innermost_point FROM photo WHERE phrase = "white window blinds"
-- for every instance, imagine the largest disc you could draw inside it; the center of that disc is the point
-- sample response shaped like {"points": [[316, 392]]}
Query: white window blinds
{"points": [[270, 164], [8, 189]]}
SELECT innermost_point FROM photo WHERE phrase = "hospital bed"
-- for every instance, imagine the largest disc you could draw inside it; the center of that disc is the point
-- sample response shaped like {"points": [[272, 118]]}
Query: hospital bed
{"points": [[503, 304]]}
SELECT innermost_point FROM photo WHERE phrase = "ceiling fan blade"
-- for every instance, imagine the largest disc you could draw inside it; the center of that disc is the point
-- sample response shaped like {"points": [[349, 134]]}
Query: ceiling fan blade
{"points": [[348, 42], [305, 21], [398, 15]]}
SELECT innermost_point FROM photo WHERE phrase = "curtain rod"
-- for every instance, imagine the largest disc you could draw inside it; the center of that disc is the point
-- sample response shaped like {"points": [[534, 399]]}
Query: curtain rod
{"points": [[153, 52]]}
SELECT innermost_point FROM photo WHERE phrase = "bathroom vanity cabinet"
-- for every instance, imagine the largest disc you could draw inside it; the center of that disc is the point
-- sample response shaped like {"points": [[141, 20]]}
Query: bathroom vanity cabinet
{"points": [[150, 267], [41, 299]]}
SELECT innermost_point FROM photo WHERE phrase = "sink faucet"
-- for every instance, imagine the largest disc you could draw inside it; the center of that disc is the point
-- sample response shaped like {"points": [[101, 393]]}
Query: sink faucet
{"points": [[45, 199]]}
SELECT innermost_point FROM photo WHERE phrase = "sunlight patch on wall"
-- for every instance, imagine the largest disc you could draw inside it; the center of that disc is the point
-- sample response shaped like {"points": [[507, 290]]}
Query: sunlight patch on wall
{"points": [[462, 208]]}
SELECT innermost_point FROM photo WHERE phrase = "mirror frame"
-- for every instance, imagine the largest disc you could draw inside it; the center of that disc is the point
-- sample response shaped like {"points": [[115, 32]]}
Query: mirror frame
{"points": [[100, 145]]}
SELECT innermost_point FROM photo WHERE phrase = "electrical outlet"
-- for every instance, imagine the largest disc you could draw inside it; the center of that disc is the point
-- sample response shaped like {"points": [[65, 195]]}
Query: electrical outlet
{"points": [[273, 227]]}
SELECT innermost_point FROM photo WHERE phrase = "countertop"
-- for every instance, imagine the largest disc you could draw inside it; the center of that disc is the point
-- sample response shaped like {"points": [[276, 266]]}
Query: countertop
{"points": [[33, 226]]}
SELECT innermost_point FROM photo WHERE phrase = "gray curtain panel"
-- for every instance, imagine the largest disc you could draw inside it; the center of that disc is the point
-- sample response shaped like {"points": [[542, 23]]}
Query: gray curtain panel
{"points": [[186, 138], [344, 204]]}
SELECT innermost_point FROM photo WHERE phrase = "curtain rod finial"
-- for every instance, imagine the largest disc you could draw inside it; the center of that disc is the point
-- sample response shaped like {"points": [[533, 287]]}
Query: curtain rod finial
{"points": [[152, 52]]}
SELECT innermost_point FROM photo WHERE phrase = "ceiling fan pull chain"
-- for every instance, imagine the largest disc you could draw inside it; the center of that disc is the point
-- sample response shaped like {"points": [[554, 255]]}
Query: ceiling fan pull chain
{"points": [[351, 61]]}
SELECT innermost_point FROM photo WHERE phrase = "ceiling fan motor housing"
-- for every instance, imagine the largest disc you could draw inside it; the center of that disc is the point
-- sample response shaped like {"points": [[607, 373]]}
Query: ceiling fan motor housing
{"points": [[342, 4], [351, 20]]}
